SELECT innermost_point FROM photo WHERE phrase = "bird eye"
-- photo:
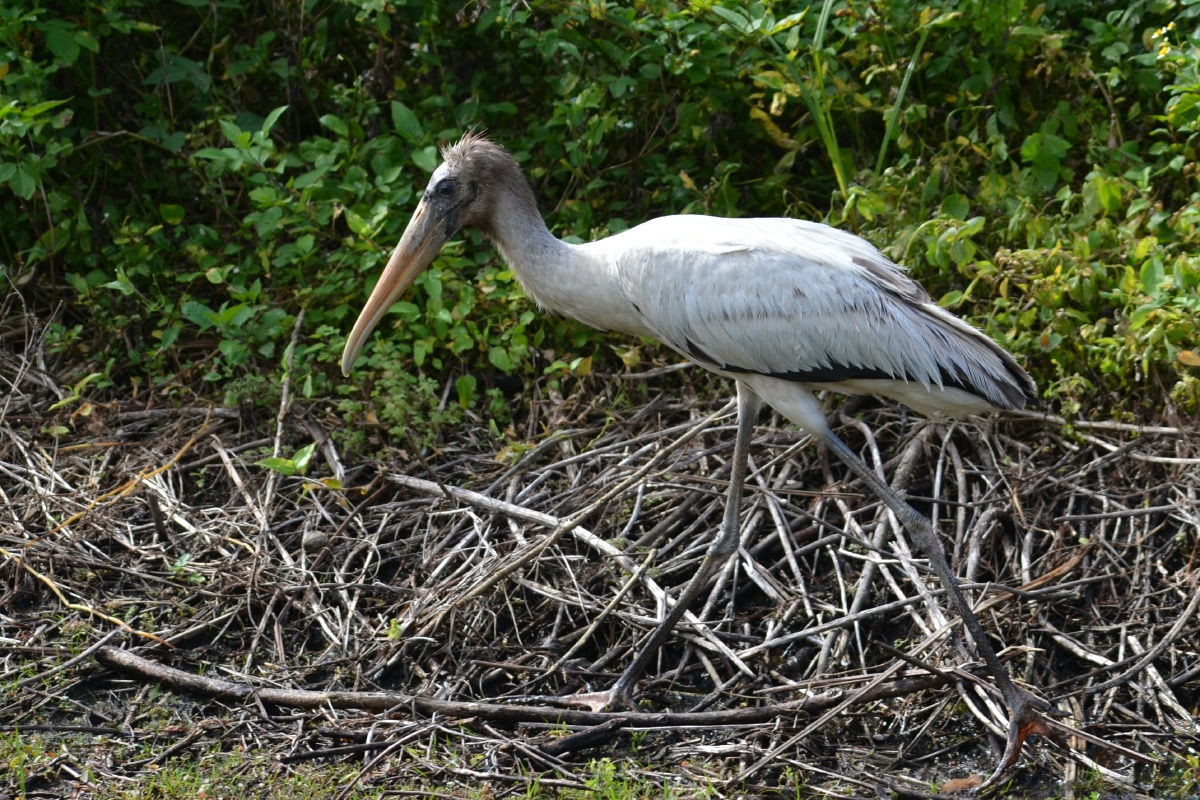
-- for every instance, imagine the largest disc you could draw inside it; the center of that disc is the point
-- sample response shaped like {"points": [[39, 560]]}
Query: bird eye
{"points": [[445, 188]]}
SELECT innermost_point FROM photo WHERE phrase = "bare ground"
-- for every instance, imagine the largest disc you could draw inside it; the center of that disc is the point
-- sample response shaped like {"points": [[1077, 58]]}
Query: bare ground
{"points": [[142, 551]]}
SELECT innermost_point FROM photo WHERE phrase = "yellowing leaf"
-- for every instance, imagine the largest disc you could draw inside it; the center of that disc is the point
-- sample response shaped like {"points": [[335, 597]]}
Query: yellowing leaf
{"points": [[773, 130], [1188, 357]]}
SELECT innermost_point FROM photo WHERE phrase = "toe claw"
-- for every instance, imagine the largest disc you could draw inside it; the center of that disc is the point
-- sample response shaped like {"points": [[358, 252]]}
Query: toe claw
{"points": [[611, 700], [1025, 721]]}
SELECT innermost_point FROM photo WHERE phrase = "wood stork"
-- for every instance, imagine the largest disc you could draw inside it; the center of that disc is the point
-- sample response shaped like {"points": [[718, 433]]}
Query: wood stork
{"points": [[781, 306]]}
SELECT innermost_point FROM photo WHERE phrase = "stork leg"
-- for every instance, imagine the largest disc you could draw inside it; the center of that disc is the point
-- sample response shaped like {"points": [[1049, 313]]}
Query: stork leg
{"points": [[1023, 708], [722, 547]]}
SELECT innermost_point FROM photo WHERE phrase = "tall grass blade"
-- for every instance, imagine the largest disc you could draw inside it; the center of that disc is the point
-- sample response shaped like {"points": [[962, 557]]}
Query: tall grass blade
{"points": [[894, 115]]}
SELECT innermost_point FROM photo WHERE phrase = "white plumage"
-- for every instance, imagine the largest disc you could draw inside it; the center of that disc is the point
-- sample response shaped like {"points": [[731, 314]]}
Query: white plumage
{"points": [[781, 306]]}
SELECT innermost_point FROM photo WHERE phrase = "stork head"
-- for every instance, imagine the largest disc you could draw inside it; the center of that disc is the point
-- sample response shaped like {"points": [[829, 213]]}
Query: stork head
{"points": [[462, 192]]}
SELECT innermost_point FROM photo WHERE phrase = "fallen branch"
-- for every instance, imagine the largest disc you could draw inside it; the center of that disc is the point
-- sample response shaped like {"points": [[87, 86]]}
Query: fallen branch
{"points": [[132, 664]]}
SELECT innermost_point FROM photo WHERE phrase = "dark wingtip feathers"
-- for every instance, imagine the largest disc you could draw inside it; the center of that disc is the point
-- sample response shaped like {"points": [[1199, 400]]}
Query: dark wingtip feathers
{"points": [[1018, 391]]}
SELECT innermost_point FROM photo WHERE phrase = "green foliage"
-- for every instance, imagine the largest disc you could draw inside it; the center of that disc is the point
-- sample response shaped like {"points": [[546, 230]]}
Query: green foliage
{"points": [[23, 756], [189, 180], [608, 780], [35, 760], [296, 465]]}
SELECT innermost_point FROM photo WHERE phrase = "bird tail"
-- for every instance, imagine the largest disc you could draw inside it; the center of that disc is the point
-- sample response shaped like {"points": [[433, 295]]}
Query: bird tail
{"points": [[976, 364]]}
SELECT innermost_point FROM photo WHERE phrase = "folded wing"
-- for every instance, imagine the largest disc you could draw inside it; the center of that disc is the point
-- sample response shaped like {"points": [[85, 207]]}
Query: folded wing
{"points": [[804, 302]]}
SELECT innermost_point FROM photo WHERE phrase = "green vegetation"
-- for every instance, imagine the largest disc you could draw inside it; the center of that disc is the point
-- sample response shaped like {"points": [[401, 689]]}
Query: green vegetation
{"points": [[29, 764], [188, 177], [32, 764]]}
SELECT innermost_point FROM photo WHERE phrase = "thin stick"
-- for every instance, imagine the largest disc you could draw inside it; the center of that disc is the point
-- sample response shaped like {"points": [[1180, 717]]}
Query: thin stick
{"points": [[285, 402]]}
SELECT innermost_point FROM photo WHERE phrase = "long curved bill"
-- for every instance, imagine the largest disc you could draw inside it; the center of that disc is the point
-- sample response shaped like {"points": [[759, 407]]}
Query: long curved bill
{"points": [[419, 245]]}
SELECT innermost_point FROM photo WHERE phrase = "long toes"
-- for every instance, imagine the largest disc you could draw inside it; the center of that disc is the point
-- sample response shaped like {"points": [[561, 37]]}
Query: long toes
{"points": [[610, 700], [1026, 721]]}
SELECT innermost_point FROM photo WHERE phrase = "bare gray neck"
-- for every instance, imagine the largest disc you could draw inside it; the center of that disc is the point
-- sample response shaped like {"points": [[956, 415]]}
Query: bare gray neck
{"points": [[537, 257], [520, 232], [575, 280]]}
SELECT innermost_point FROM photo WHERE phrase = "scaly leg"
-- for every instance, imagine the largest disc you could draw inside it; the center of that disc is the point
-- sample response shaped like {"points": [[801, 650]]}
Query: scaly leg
{"points": [[722, 547], [1023, 708]]}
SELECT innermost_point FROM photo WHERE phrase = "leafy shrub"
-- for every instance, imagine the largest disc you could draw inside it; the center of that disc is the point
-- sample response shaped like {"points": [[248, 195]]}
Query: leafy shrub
{"points": [[190, 177]]}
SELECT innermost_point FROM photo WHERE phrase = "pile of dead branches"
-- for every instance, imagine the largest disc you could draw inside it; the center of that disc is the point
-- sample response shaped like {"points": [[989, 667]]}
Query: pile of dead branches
{"points": [[444, 596]]}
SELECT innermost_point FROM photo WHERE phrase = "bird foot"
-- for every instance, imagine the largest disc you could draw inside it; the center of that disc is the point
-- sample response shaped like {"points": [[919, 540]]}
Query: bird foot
{"points": [[611, 700], [615, 699], [1025, 719]]}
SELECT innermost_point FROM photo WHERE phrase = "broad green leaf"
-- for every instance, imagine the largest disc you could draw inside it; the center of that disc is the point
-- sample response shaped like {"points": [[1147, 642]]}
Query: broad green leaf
{"points": [[234, 351], [789, 21], [88, 42], [171, 214], [621, 85], [465, 387], [121, 285], [426, 158], [957, 206], [38, 109], [1045, 168], [737, 19], [310, 178], [23, 182], [232, 132], [772, 79], [198, 314], [169, 336], [1042, 143], [283, 466], [235, 316], [272, 118], [1183, 109], [1152, 276], [177, 68], [500, 359], [406, 123], [1141, 315], [60, 40], [404, 309], [951, 299], [358, 225], [336, 124], [304, 456]]}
